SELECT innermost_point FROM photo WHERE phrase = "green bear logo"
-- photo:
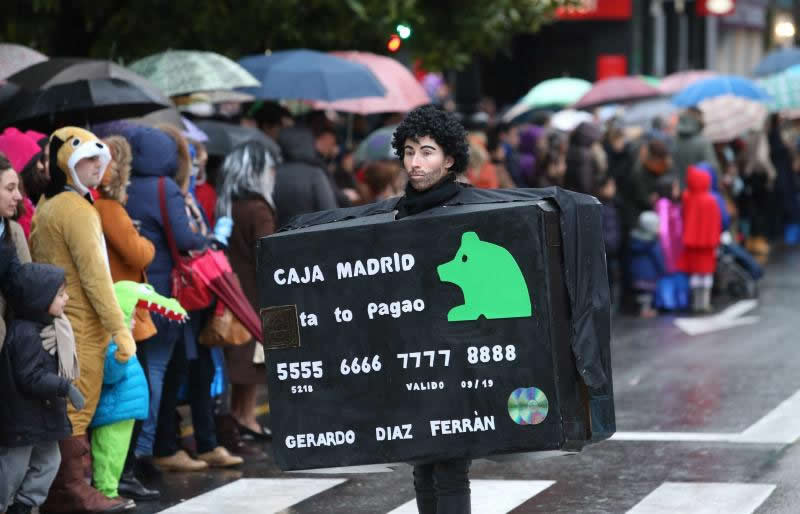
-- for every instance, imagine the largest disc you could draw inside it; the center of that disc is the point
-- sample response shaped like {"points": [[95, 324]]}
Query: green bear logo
{"points": [[490, 279]]}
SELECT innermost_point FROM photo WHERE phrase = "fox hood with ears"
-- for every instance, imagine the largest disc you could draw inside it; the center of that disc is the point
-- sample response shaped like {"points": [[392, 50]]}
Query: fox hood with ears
{"points": [[68, 145]]}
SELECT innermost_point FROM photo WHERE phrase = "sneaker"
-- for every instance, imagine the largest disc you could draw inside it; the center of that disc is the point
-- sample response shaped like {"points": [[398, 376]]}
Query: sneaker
{"points": [[219, 457], [179, 462]]}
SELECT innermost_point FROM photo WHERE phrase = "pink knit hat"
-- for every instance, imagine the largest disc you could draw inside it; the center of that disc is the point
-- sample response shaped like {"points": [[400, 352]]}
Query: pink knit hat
{"points": [[19, 147]]}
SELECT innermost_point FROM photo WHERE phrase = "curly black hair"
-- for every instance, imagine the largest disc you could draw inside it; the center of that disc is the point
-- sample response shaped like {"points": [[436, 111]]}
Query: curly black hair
{"points": [[439, 125]]}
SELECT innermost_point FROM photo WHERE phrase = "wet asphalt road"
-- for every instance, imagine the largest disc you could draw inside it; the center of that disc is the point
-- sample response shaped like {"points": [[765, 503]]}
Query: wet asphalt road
{"points": [[733, 387]]}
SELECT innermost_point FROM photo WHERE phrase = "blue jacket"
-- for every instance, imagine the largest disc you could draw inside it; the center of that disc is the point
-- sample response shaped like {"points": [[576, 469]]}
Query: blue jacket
{"points": [[155, 156], [647, 260], [125, 394]]}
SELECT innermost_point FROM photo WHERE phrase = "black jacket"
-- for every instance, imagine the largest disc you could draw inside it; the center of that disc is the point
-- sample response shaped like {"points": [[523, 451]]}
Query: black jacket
{"points": [[301, 185], [33, 409]]}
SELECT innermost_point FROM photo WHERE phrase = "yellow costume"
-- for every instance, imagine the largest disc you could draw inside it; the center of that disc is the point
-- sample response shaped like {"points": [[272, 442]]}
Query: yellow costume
{"points": [[67, 232]]}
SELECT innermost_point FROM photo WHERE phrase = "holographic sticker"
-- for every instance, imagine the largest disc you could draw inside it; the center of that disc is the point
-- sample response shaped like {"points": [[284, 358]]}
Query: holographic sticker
{"points": [[527, 406]]}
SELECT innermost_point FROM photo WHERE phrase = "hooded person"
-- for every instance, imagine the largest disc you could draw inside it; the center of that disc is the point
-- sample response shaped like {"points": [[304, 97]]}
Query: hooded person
{"points": [[702, 226], [301, 185], [583, 166], [125, 394], [36, 374], [67, 232], [155, 156], [691, 146], [646, 261]]}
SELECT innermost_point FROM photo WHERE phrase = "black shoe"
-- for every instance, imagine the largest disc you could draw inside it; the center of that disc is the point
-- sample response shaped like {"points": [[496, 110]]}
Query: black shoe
{"points": [[145, 468], [130, 487], [19, 508], [265, 434]]}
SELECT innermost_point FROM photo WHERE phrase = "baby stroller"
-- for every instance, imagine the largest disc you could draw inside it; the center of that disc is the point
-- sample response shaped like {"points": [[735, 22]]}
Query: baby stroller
{"points": [[738, 272]]}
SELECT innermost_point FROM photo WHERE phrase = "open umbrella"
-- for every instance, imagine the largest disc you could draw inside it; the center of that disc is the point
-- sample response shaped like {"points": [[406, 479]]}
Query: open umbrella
{"points": [[568, 119], [719, 86], [726, 117], [80, 91], [680, 80], [403, 91], [616, 90], [784, 88], [180, 72], [310, 75], [14, 58], [222, 137], [777, 61], [376, 147], [216, 273], [641, 113], [558, 92]]}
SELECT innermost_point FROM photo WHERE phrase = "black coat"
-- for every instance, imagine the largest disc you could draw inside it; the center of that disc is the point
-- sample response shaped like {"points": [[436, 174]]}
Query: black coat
{"points": [[301, 185], [33, 409]]}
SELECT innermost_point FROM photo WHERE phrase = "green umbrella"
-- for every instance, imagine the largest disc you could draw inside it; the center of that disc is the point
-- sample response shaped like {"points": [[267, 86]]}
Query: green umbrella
{"points": [[558, 92], [180, 72], [784, 88]]}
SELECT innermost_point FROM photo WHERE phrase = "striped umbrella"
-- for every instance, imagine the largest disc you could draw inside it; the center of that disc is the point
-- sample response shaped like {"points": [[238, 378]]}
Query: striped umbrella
{"points": [[784, 88], [727, 117]]}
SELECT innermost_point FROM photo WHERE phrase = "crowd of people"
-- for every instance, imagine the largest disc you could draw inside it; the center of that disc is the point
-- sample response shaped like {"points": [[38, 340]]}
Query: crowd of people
{"points": [[83, 213]]}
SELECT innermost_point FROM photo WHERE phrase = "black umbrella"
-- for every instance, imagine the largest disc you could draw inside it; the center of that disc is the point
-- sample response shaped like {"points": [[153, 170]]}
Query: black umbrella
{"points": [[79, 91], [223, 137]]}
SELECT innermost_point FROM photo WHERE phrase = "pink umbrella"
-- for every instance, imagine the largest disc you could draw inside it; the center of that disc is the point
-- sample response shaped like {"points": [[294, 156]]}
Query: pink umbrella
{"points": [[678, 81], [403, 92], [14, 58], [614, 90]]}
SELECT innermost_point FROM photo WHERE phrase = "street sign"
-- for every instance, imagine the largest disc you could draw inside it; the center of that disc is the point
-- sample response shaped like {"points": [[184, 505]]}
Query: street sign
{"points": [[438, 336]]}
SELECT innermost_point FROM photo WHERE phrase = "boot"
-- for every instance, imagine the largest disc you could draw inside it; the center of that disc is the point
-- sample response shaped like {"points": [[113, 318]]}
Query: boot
{"points": [[70, 491], [19, 508], [130, 487]]}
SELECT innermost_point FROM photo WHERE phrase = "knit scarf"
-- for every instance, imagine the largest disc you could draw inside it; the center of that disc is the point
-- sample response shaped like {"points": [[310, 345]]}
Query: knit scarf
{"points": [[58, 339], [415, 201]]}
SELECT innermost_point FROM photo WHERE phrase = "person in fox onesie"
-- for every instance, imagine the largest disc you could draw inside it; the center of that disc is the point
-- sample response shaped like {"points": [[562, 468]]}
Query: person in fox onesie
{"points": [[66, 232]]}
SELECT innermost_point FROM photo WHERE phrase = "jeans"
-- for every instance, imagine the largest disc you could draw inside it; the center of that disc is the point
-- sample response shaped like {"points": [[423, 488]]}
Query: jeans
{"points": [[155, 354], [443, 487], [197, 374]]}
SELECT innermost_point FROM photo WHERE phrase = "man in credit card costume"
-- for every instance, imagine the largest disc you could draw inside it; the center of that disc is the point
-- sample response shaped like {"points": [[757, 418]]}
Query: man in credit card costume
{"points": [[492, 335]]}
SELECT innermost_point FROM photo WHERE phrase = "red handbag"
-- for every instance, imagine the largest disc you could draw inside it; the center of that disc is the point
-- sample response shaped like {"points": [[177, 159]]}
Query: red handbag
{"points": [[187, 287]]}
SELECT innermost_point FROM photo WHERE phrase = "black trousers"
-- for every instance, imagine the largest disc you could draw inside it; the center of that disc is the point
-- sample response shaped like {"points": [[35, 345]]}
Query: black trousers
{"points": [[443, 487]]}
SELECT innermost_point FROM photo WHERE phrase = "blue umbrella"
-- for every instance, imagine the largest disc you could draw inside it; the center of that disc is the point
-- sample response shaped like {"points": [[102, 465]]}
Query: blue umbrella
{"points": [[718, 86], [777, 61], [309, 75]]}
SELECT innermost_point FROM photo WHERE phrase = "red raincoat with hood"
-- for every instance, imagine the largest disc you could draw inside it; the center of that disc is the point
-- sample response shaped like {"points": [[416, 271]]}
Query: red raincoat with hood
{"points": [[702, 225]]}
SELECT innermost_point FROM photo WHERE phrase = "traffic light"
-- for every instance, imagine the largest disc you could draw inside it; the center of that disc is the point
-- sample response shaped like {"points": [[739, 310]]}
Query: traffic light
{"points": [[394, 43], [404, 31]]}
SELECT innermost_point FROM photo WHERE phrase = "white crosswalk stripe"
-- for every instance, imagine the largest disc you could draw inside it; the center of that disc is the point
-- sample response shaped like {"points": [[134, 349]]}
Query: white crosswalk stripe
{"points": [[704, 498], [255, 496], [274, 495], [493, 496]]}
